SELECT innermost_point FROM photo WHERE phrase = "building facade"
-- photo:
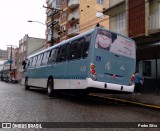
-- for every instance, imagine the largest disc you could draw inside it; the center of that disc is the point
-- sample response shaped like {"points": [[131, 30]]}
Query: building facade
{"points": [[140, 20], [68, 18], [3, 55], [27, 46]]}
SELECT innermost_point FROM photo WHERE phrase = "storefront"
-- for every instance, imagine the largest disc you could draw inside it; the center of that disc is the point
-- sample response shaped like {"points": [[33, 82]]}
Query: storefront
{"points": [[148, 64]]}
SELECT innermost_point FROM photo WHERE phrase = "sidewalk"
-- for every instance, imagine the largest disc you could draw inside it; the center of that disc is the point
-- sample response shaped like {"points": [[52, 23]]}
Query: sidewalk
{"points": [[148, 96], [150, 100]]}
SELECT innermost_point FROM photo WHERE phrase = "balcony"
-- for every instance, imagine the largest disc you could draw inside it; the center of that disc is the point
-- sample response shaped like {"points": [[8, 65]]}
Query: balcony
{"points": [[73, 16], [73, 3], [49, 37], [115, 2], [154, 21], [73, 31], [55, 36], [115, 5], [57, 21]]}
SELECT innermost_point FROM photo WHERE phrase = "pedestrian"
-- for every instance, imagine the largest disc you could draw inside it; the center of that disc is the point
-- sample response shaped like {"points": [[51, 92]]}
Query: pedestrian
{"points": [[138, 80]]}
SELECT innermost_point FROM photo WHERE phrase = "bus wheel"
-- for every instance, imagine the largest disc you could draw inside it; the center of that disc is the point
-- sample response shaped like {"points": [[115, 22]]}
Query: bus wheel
{"points": [[50, 87], [26, 84]]}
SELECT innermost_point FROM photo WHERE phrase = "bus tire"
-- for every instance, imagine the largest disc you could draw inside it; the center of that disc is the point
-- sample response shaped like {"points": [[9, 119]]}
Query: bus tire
{"points": [[26, 84], [50, 87]]}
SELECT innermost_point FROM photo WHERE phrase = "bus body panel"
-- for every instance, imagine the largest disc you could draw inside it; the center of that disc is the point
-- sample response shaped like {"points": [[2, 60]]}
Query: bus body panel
{"points": [[114, 57], [76, 70], [112, 70]]}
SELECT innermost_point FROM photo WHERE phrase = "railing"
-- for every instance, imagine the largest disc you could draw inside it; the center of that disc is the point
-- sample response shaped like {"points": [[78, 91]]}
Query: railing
{"points": [[74, 15], [73, 30], [154, 21], [73, 3]]}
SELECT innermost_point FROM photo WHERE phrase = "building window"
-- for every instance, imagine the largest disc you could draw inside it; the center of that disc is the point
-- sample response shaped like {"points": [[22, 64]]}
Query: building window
{"points": [[100, 1], [63, 1], [147, 68], [63, 14], [121, 21], [63, 28]]}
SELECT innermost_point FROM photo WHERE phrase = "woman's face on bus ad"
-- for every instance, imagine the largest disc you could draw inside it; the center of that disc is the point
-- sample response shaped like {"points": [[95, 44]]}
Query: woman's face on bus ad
{"points": [[104, 40]]}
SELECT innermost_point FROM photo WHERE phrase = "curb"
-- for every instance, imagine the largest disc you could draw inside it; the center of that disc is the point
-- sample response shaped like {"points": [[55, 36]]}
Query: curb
{"points": [[127, 101]]}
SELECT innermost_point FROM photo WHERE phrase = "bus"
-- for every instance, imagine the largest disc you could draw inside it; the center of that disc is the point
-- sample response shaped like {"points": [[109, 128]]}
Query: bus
{"points": [[96, 59]]}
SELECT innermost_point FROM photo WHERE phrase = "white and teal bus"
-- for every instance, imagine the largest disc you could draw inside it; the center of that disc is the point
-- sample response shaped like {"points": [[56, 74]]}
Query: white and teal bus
{"points": [[96, 59]]}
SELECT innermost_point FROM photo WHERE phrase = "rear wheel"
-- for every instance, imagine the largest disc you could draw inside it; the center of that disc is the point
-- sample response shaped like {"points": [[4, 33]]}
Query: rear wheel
{"points": [[26, 84], [50, 87]]}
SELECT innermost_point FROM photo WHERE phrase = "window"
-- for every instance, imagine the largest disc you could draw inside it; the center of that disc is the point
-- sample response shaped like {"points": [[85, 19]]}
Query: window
{"points": [[63, 1], [34, 61], [53, 56], [86, 46], [39, 60], [62, 53], [100, 1], [45, 58], [63, 14], [76, 49], [146, 68], [121, 21]]}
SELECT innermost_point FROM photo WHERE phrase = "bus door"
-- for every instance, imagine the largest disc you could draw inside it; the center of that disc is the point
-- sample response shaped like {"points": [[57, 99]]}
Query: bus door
{"points": [[114, 58]]}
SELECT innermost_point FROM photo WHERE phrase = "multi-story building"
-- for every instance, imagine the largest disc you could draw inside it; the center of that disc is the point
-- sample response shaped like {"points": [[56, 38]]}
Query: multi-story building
{"points": [[68, 18], [140, 20], [27, 46], [3, 54]]}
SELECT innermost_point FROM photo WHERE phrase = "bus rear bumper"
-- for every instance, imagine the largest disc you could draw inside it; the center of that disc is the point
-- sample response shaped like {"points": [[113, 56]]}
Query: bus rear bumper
{"points": [[108, 86]]}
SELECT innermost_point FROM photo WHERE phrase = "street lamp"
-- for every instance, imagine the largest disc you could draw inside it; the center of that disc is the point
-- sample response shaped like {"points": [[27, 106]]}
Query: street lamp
{"points": [[36, 21]]}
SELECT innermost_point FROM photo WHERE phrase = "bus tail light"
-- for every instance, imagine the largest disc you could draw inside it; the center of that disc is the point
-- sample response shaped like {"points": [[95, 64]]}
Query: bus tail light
{"points": [[93, 71]]}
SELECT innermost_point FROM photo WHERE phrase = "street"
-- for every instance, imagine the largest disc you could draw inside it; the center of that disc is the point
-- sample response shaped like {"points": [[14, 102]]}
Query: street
{"points": [[20, 105]]}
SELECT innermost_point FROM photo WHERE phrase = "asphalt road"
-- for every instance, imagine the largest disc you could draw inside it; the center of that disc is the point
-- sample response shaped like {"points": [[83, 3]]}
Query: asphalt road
{"points": [[19, 105]]}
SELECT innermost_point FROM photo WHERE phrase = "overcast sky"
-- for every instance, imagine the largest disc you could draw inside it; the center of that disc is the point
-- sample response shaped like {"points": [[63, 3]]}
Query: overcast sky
{"points": [[14, 15]]}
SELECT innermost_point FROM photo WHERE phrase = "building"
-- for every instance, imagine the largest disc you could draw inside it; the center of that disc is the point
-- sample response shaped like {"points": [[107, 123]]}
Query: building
{"points": [[140, 20], [68, 18], [27, 46], [3, 55]]}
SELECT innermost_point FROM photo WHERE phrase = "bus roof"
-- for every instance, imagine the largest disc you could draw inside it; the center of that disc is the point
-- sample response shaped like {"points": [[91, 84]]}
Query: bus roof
{"points": [[63, 42], [80, 35]]}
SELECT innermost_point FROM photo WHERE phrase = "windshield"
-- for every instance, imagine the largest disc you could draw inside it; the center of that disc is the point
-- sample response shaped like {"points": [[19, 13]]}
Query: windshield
{"points": [[115, 43]]}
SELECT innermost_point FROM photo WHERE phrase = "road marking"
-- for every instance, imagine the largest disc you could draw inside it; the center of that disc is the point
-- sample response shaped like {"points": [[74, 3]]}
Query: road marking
{"points": [[122, 100]]}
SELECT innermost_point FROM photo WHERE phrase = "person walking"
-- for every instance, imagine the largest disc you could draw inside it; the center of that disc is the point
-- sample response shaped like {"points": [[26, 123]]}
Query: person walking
{"points": [[138, 80]]}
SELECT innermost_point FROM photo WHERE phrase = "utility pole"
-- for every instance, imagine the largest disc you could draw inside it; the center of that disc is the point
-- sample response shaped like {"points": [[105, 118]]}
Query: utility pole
{"points": [[10, 57], [54, 11]]}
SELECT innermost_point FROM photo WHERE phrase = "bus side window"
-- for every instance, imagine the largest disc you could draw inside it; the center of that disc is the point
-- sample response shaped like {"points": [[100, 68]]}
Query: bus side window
{"points": [[39, 60], [53, 56], [80, 45], [30, 62], [45, 58], [34, 61], [72, 52], [62, 53], [86, 46]]}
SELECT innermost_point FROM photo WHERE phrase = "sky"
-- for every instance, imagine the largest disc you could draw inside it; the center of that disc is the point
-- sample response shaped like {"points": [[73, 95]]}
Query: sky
{"points": [[14, 16]]}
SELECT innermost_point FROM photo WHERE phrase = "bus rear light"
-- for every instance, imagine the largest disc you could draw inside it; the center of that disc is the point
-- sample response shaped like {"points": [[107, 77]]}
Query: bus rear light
{"points": [[93, 71]]}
